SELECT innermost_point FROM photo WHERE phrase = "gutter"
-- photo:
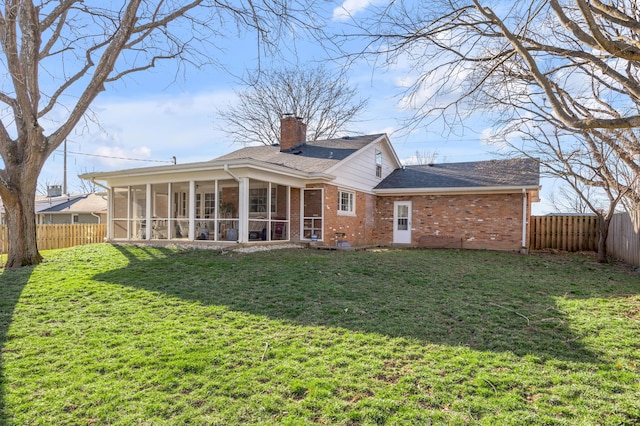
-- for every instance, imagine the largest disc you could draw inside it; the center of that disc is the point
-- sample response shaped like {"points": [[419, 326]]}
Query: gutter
{"points": [[207, 167], [455, 190]]}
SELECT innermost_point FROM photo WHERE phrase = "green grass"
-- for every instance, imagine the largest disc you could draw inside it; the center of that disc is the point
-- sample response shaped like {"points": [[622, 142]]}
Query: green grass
{"points": [[126, 335]]}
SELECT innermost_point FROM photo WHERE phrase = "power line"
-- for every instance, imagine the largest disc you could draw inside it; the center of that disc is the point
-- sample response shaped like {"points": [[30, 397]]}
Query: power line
{"points": [[172, 161]]}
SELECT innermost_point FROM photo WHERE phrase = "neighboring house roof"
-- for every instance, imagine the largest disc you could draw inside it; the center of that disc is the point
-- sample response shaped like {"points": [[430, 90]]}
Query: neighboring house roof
{"points": [[518, 172], [311, 156], [78, 203], [84, 203]]}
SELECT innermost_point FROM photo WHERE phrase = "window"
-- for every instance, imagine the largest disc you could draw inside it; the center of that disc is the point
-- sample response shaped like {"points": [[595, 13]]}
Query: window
{"points": [[205, 205], [198, 205], [75, 218], [378, 164], [258, 200], [209, 205], [346, 202]]}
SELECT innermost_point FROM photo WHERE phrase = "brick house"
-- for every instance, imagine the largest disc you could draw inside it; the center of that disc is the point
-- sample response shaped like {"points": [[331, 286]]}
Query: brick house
{"points": [[345, 191]]}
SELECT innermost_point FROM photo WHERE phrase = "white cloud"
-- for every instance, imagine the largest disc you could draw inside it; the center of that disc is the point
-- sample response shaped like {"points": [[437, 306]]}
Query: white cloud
{"points": [[153, 128], [349, 8]]}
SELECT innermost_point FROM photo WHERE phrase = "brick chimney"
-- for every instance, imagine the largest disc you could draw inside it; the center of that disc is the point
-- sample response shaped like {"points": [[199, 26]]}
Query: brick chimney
{"points": [[292, 132]]}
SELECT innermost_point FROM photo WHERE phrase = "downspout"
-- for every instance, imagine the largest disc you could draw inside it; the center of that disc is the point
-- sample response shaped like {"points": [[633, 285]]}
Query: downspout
{"points": [[93, 181], [226, 169], [524, 219], [96, 215]]}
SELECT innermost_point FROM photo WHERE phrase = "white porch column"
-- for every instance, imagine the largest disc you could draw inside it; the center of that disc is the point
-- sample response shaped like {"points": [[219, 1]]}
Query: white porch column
{"points": [[147, 226], [129, 213], [192, 210], [243, 210], [110, 195], [170, 223], [216, 212]]}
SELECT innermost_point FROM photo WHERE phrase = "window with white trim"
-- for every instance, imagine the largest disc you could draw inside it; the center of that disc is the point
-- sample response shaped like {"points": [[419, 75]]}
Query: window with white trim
{"points": [[209, 205], [378, 164], [346, 202]]}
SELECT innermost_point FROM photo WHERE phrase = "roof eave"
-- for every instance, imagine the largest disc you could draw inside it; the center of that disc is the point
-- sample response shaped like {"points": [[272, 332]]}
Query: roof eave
{"points": [[213, 165], [457, 190], [384, 137]]}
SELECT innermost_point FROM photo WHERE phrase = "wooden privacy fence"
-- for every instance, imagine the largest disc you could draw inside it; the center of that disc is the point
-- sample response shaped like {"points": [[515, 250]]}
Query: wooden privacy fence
{"points": [[568, 233], [62, 236], [623, 241]]}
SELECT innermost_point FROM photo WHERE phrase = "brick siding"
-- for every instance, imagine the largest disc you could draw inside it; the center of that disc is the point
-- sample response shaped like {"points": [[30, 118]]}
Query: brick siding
{"points": [[294, 218], [358, 229], [486, 221]]}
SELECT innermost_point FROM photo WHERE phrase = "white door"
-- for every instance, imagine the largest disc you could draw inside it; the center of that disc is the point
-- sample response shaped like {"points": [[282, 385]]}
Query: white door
{"points": [[402, 222]]}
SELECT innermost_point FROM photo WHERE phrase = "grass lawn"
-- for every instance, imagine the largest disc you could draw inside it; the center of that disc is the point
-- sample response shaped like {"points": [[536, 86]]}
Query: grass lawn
{"points": [[125, 335]]}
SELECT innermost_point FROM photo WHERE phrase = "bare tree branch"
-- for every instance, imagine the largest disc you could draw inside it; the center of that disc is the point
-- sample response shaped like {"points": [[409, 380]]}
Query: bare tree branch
{"points": [[325, 100], [60, 55]]}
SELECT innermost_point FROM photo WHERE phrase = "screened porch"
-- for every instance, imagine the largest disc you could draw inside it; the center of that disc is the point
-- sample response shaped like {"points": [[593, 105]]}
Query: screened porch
{"points": [[220, 210]]}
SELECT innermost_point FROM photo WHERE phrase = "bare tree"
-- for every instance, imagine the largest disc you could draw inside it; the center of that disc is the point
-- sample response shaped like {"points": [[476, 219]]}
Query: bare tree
{"points": [[547, 72], [567, 200], [422, 158], [325, 100], [573, 59], [60, 55], [595, 174], [87, 186]]}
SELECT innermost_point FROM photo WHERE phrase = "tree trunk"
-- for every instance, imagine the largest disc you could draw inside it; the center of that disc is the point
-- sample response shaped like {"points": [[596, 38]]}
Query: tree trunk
{"points": [[602, 240], [21, 228]]}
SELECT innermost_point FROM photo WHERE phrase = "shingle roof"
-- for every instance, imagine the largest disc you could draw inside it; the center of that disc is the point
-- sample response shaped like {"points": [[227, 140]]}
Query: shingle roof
{"points": [[79, 203], [85, 203], [477, 174], [312, 156]]}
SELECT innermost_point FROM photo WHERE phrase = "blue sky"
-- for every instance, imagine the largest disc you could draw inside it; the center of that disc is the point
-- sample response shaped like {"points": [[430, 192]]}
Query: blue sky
{"points": [[157, 115]]}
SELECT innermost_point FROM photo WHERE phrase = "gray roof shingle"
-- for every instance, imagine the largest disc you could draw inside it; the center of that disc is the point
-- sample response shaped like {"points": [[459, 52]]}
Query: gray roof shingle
{"points": [[476, 174], [311, 156]]}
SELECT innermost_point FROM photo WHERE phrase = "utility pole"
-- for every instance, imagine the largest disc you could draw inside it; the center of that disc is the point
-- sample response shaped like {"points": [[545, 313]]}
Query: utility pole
{"points": [[64, 178]]}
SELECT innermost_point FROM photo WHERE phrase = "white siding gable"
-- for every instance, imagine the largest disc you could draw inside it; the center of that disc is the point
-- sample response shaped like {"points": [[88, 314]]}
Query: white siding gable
{"points": [[358, 171]]}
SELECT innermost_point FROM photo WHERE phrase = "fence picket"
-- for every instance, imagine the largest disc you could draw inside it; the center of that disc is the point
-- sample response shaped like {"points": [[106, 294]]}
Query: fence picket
{"points": [[61, 236], [568, 233], [623, 241]]}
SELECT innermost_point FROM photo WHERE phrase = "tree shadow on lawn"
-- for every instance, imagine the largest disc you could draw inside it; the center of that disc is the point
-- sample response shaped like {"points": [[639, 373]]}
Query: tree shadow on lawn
{"points": [[12, 282], [487, 301]]}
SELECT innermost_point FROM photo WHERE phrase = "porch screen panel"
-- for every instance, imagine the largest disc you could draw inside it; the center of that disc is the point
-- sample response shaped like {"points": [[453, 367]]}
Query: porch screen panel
{"points": [[138, 211], [120, 217], [279, 204], [205, 210], [160, 211], [228, 210], [259, 210], [312, 214], [179, 215]]}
